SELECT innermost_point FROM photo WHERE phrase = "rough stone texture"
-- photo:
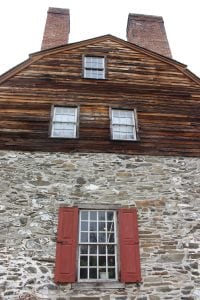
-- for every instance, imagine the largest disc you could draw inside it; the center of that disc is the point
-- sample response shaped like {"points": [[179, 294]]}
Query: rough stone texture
{"points": [[166, 191]]}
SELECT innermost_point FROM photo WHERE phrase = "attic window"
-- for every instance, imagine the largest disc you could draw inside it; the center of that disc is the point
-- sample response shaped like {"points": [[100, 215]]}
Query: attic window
{"points": [[64, 122], [123, 124], [94, 67]]}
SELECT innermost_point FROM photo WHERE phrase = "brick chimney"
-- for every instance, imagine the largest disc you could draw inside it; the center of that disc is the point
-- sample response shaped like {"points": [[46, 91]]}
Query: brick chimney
{"points": [[56, 32], [148, 32]]}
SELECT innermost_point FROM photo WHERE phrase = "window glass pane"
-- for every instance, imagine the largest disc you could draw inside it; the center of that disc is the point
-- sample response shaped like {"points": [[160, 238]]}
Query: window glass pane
{"points": [[102, 215], [93, 215], [110, 215], [128, 121], [69, 133], [116, 135], [111, 249], [123, 132], [65, 110], [84, 226], [71, 118], [94, 62], [93, 273], [93, 237], [110, 226], [84, 237], [102, 226], [60, 118], [122, 120], [111, 273], [102, 249], [115, 113], [102, 260], [93, 73], [63, 133], [102, 237], [84, 249], [93, 260], [93, 226], [64, 118], [102, 274], [125, 113], [84, 215], [83, 273], [58, 126], [93, 249], [83, 261], [111, 238], [111, 261]]}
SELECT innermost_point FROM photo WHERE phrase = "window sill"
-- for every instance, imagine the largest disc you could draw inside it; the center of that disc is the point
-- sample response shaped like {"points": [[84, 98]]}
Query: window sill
{"points": [[135, 141], [90, 78], [98, 285], [63, 137]]}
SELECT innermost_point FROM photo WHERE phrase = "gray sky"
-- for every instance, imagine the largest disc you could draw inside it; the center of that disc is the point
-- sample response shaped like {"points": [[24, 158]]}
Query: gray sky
{"points": [[22, 24]]}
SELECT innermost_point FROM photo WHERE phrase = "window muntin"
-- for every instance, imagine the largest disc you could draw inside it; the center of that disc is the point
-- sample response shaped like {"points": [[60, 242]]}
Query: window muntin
{"points": [[97, 245], [94, 67], [123, 124], [64, 122]]}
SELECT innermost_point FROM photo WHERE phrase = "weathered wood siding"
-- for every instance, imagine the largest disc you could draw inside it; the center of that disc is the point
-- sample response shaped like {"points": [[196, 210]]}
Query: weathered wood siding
{"points": [[167, 103]]}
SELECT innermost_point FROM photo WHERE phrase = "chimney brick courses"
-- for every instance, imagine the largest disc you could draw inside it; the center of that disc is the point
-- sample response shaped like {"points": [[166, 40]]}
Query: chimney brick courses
{"points": [[148, 32], [57, 28]]}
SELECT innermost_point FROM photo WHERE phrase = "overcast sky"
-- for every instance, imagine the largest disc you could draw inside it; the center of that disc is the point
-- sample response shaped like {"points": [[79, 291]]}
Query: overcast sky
{"points": [[22, 24]]}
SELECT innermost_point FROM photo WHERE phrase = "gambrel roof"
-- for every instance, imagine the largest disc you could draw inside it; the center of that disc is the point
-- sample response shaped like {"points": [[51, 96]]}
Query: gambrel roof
{"points": [[164, 95], [68, 47]]}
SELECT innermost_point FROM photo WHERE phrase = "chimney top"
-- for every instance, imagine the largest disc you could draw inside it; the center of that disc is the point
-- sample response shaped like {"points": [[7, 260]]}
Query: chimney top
{"points": [[141, 17], [57, 10], [57, 28], [148, 31]]}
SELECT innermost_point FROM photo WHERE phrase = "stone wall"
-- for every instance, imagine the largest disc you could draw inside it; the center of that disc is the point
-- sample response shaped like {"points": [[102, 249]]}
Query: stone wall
{"points": [[166, 191]]}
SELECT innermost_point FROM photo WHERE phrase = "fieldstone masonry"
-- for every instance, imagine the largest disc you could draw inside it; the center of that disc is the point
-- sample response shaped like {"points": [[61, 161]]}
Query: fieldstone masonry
{"points": [[166, 191]]}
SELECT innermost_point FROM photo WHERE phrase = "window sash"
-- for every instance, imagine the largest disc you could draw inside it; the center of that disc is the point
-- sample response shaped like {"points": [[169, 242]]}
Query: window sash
{"points": [[123, 124], [94, 67], [97, 260], [64, 123]]}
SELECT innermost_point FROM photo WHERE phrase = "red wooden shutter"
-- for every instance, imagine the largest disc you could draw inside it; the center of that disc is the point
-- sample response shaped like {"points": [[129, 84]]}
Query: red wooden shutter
{"points": [[129, 246], [65, 269]]}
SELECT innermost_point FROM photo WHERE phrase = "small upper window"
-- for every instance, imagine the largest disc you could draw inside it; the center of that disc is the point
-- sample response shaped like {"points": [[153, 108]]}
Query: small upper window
{"points": [[94, 67], [64, 123], [123, 124]]}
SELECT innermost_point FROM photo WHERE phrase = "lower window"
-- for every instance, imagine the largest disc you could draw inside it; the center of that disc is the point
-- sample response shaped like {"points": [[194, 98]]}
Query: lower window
{"points": [[97, 258], [64, 122], [123, 124], [91, 242]]}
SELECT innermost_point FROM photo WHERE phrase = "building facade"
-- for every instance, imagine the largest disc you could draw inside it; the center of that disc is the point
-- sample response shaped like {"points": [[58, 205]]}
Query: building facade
{"points": [[100, 146]]}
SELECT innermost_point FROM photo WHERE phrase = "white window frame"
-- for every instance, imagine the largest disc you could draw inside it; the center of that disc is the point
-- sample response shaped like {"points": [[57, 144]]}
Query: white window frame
{"points": [[91, 69], [64, 122], [88, 244], [122, 123]]}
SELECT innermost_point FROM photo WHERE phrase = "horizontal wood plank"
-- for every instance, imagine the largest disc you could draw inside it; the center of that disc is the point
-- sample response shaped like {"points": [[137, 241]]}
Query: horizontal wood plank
{"points": [[166, 100]]}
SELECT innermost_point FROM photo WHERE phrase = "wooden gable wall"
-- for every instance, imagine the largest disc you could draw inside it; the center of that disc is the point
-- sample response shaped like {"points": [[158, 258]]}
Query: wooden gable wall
{"points": [[167, 103]]}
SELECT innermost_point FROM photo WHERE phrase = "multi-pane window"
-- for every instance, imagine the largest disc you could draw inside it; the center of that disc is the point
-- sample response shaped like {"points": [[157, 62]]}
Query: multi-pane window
{"points": [[94, 67], [123, 124], [96, 235], [97, 245], [64, 123]]}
